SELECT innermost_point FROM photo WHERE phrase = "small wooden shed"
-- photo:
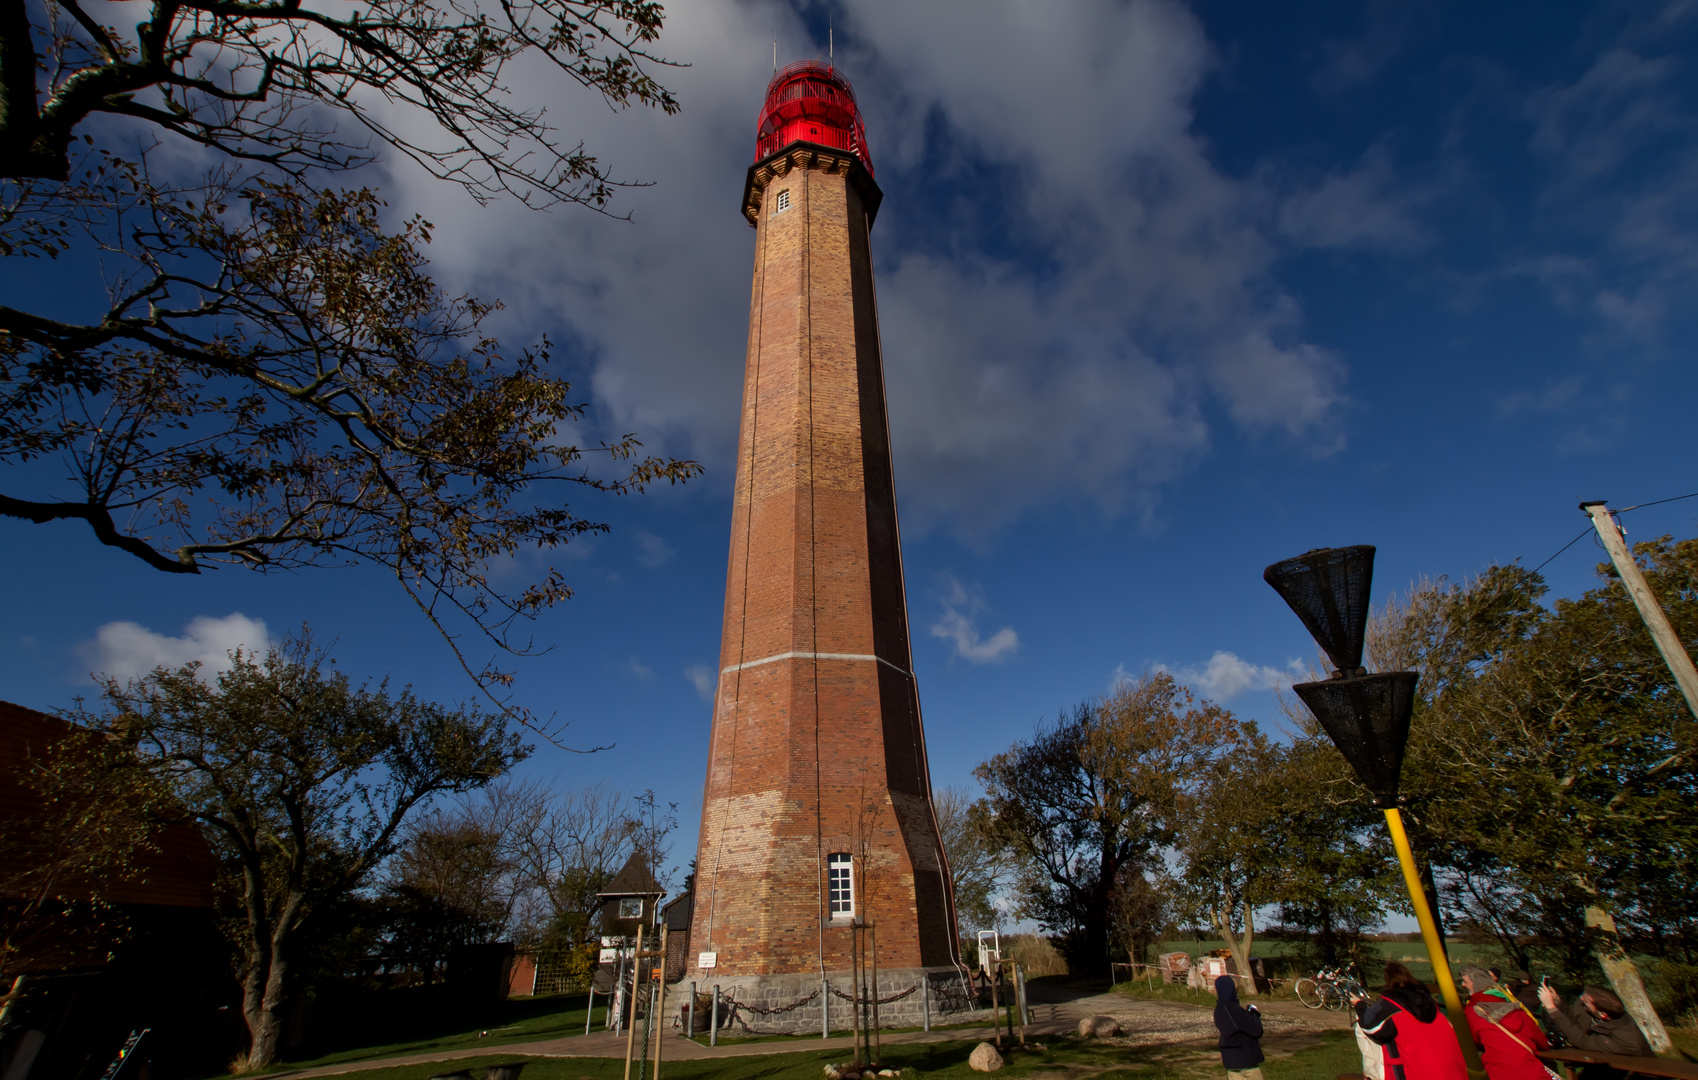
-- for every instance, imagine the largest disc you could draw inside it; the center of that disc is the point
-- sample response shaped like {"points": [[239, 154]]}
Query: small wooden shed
{"points": [[630, 899]]}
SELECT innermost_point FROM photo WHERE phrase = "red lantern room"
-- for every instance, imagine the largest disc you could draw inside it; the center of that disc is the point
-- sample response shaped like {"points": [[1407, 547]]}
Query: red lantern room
{"points": [[810, 102]]}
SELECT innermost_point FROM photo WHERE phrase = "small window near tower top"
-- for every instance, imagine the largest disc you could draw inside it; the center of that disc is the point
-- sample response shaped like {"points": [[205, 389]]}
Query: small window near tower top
{"points": [[782, 202], [631, 908], [840, 881]]}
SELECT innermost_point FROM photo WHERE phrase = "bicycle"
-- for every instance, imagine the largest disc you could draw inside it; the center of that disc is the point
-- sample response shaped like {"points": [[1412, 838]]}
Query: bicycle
{"points": [[1329, 989]]}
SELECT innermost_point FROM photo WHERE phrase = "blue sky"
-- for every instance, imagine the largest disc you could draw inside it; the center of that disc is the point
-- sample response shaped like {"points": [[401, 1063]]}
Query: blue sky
{"points": [[1169, 292]]}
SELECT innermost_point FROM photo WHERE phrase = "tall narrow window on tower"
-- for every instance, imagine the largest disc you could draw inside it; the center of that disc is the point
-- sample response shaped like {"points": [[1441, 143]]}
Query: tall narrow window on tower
{"points": [[782, 202], [840, 878]]}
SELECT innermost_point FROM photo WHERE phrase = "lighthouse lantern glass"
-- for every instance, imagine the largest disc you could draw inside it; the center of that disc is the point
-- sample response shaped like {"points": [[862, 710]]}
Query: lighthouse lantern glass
{"points": [[811, 102]]}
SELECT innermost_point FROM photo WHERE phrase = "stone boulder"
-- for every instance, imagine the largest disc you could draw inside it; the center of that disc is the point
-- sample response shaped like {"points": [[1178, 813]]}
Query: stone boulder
{"points": [[985, 1058], [1098, 1027]]}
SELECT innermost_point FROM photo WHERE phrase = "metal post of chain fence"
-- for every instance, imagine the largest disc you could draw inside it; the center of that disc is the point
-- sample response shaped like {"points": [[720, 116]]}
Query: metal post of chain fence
{"points": [[825, 1008], [926, 1001], [589, 1011], [713, 1018]]}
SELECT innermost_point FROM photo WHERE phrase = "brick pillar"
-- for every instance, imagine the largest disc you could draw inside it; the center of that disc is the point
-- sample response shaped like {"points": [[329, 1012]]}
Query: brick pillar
{"points": [[817, 746]]}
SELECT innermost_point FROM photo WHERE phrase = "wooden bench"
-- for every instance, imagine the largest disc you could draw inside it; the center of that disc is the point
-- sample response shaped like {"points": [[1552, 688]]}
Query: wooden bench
{"points": [[1633, 1066]]}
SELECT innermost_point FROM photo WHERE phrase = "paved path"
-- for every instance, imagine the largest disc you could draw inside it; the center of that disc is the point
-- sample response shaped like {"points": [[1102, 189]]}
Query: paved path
{"points": [[1056, 1009]]}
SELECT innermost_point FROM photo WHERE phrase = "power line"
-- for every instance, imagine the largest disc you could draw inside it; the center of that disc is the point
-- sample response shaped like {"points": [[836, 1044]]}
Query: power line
{"points": [[1623, 510], [1562, 549], [1659, 502]]}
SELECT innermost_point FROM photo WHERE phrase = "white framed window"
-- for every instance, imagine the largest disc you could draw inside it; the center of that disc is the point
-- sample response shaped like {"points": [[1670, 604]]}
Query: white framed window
{"points": [[840, 885], [631, 908], [781, 202]]}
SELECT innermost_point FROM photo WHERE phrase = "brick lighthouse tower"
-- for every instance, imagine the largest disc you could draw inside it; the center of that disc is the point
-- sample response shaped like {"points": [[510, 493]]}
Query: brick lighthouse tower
{"points": [[817, 813]]}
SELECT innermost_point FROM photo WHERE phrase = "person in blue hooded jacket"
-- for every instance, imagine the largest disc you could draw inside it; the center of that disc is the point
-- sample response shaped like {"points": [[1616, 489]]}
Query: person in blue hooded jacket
{"points": [[1240, 1032]]}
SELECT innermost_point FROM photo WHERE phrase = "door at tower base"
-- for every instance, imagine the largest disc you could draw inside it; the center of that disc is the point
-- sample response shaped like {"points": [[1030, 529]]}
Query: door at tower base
{"points": [[817, 811]]}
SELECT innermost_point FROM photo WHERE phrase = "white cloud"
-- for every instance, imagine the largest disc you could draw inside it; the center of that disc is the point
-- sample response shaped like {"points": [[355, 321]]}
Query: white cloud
{"points": [[1367, 207], [652, 551], [1226, 676], [639, 669], [126, 650], [703, 678], [959, 625], [1056, 336], [1620, 177]]}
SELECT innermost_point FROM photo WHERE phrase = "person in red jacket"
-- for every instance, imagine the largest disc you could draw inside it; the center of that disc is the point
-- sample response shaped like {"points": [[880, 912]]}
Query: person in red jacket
{"points": [[1508, 1036], [1418, 1041]]}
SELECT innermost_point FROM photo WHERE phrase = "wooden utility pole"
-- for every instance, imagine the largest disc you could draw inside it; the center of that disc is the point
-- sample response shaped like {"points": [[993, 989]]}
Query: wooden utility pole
{"points": [[1618, 966], [1674, 653]]}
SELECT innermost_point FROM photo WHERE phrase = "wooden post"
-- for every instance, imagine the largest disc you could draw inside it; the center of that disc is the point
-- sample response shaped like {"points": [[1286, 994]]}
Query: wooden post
{"points": [[1667, 642], [1617, 965], [636, 978], [855, 945], [877, 1047], [996, 1016], [660, 1007]]}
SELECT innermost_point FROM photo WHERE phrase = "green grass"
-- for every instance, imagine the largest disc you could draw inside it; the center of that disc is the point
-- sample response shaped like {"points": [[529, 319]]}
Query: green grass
{"points": [[1332, 1053], [517, 1020]]}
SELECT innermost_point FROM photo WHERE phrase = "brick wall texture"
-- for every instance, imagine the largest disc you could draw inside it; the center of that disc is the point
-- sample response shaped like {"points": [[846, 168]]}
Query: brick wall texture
{"points": [[817, 745]]}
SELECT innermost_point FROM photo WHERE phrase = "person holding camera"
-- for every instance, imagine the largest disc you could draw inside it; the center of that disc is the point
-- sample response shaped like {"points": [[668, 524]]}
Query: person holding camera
{"points": [[1600, 1024], [1508, 1036], [1418, 1043], [1240, 1032]]}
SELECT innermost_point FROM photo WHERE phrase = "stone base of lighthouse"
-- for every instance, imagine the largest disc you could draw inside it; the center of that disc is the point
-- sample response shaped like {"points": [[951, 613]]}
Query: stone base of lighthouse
{"points": [[791, 1004]]}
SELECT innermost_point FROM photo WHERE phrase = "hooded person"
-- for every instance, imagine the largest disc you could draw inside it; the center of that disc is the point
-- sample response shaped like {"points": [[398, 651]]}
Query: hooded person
{"points": [[1418, 1042], [1240, 1032], [1509, 1037]]}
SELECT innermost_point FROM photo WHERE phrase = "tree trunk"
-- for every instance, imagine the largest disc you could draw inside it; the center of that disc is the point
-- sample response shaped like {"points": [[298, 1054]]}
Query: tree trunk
{"points": [[262, 991], [1430, 886], [1624, 977], [1240, 946]]}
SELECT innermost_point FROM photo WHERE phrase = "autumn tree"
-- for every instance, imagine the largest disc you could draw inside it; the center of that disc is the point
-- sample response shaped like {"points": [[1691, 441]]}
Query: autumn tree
{"points": [[1231, 839], [303, 781], [1093, 793], [450, 883], [564, 845], [979, 864], [254, 366], [1338, 878], [1552, 763]]}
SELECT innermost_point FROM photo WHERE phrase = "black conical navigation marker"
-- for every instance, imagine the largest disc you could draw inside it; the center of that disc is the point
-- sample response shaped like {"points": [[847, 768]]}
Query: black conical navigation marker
{"points": [[1328, 588], [1368, 720]]}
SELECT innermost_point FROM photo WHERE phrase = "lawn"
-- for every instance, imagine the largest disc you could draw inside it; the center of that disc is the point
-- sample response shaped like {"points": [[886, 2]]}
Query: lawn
{"points": [[1332, 1053], [517, 1020]]}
